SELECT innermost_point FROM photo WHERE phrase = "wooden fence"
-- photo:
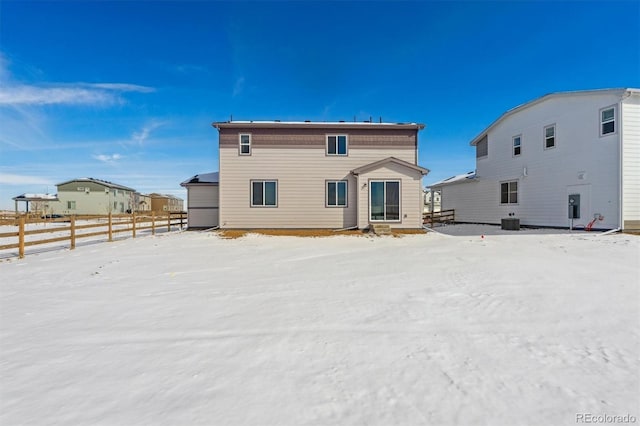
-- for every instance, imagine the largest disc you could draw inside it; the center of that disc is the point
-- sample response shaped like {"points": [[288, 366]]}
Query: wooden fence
{"points": [[109, 224], [444, 216]]}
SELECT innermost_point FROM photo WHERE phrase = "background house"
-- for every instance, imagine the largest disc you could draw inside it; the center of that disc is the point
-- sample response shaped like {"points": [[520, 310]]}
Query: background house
{"points": [[92, 196], [202, 200], [166, 203], [319, 175], [565, 159]]}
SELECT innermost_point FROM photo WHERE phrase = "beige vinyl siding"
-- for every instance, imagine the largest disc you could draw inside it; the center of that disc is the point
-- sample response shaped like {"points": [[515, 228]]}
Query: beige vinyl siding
{"points": [[410, 195], [301, 174], [631, 162]]}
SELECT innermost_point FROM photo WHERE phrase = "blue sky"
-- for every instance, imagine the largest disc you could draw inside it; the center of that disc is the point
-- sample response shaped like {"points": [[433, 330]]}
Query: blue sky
{"points": [[126, 91]]}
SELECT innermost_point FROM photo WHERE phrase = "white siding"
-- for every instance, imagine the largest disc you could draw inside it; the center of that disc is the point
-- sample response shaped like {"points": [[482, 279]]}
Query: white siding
{"points": [[580, 157], [631, 159], [202, 205], [301, 174]]}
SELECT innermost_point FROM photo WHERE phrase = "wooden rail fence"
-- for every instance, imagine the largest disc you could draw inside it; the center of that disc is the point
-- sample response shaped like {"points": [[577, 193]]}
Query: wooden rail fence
{"points": [[114, 224], [444, 216]]}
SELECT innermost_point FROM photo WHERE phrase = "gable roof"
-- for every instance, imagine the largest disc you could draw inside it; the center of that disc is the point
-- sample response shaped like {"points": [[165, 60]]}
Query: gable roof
{"points": [[99, 182], [620, 91], [394, 160], [203, 178]]}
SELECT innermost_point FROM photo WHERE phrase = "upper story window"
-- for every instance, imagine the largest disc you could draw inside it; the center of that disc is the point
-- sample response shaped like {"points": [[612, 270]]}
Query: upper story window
{"points": [[245, 144], [337, 193], [482, 148], [264, 193], [550, 136], [71, 205], [607, 121], [517, 145], [509, 192], [336, 144]]}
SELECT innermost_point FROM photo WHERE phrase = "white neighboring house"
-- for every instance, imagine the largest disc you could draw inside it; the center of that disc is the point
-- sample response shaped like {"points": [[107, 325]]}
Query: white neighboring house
{"points": [[431, 200], [578, 147], [202, 200]]}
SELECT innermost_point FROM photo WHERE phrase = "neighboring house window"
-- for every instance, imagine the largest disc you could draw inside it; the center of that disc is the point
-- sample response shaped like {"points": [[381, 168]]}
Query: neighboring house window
{"points": [[550, 136], [384, 200], [245, 144], [482, 148], [264, 193], [517, 145], [509, 192], [336, 145], [71, 205], [607, 121], [337, 193]]}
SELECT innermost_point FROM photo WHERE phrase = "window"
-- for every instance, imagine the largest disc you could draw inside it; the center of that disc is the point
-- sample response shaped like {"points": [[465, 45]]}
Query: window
{"points": [[509, 192], [337, 193], [550, 136], [384, 200], [517, 145], [607, 121], [245, 144], [482, 148], [336, 145], [71, 205], [264, 193]]}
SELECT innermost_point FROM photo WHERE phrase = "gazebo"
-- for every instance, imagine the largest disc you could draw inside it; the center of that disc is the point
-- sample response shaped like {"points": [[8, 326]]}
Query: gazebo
{"points": [[34, 198]]}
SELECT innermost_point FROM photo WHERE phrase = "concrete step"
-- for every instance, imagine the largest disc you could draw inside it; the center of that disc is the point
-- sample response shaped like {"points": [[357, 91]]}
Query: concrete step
{"points": [[381, 229]]}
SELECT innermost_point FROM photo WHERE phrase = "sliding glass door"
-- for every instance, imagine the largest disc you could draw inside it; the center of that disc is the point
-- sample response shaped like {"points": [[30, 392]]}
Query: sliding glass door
{"points": [[384, 200]]}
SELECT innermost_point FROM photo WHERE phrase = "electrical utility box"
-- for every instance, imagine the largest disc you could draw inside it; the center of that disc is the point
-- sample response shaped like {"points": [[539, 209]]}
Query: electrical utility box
{"points": [[574, 206]]}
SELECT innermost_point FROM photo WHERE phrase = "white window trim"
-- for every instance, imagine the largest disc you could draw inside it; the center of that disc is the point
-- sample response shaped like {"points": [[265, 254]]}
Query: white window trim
{"points": [[346, 191], [240, 144], [544, 136], [346, 143], [513, 146], [509, 192], [615, 121], [263, 205], [399, 220]]}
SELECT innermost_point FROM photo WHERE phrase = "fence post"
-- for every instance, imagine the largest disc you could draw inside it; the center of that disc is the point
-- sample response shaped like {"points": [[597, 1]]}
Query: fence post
{"points": [[21, 237], [110, 228], [133, 222], [181, 217], [168, 221], [73, 232], [153, 223]]}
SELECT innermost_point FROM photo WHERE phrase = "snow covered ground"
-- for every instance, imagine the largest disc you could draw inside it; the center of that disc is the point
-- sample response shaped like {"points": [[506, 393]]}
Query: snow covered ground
{"points": [[189, 328]]}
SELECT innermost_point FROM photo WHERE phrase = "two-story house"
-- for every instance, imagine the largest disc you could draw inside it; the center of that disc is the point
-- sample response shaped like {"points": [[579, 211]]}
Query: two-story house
{"points": [[569, 159], [319, 175], [92, 196]]}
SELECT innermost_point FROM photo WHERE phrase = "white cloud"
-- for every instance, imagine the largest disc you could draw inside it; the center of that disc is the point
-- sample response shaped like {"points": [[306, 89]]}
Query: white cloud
{"points": [[238, 87], [13, 93], [13, 179], [109, 159], [69, 94], [122, 87], [145, 132]]}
